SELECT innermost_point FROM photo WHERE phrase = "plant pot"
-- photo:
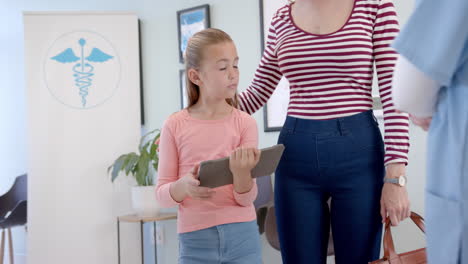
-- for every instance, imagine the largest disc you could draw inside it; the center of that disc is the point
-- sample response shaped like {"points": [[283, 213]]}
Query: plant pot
{"points": [[144, 201]]}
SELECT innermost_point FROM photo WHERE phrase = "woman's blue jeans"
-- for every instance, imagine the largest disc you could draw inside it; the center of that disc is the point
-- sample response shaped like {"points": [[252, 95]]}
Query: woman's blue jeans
{"points": [[341, 159]]}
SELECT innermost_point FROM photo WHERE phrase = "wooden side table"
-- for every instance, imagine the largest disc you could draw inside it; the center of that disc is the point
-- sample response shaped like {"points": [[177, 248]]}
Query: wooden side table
{"points": [[136, 219]]}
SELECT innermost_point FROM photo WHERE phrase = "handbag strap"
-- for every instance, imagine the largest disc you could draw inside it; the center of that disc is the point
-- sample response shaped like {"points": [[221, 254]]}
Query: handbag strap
{"points": [[389, 246], [419, 221]]}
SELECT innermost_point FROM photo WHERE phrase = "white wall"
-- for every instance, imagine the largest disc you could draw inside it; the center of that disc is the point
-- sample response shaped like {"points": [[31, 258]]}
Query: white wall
{"points": [[161, 84]]}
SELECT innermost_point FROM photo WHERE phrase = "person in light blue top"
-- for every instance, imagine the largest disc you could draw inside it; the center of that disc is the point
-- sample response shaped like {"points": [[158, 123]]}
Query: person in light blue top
{"points": [[431, 83]]}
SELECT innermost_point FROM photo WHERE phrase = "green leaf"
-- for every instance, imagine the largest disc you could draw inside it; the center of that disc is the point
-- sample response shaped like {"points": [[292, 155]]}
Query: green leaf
{"points": [[155, 163], [117, 166], [149, 177], [137, 176], [145, 146], [143, 139], [156, 138], [139, 165], [142, 168], [131, 163], [126, 160], [153, 151]]}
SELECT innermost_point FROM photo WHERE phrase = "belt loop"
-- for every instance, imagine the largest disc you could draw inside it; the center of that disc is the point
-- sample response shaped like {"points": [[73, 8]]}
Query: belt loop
{"points": [[340, 126]]}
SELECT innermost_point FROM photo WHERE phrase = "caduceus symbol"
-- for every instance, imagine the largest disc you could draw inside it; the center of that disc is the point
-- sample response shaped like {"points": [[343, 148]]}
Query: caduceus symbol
{"points": [[83, 71]]}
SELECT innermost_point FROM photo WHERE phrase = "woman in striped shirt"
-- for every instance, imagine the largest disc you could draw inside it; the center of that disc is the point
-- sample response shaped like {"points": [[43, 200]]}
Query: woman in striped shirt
{"points": [[326, 49]]}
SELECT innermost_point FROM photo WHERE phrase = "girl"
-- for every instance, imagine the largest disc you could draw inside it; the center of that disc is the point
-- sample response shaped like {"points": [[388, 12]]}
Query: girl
{"points": [[214, 225]]}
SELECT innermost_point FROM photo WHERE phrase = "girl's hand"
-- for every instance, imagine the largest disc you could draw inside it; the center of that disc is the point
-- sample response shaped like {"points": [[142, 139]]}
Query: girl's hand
{"points": [[189, 186], [243, 160]]}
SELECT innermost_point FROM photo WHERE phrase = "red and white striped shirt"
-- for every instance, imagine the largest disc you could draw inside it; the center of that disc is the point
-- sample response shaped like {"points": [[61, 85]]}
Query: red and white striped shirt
{"points": [[331, 75]]}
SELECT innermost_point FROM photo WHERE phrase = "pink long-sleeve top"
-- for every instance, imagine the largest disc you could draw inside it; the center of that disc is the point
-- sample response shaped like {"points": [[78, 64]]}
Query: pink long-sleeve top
{"points": [[187, 141]]}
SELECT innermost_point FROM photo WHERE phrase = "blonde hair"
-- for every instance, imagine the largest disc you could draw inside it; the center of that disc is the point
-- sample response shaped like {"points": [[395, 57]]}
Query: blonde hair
{"points": [[194, 53]]}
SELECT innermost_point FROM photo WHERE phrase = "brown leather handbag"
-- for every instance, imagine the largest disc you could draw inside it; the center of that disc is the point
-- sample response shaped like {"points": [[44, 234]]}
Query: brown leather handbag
{"points": [[391, 257]]}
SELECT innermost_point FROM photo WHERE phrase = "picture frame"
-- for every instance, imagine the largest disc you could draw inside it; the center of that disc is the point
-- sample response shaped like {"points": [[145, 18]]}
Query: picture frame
{"points": [[183, 90], [276, 108], [189, 22], [142, 97]]}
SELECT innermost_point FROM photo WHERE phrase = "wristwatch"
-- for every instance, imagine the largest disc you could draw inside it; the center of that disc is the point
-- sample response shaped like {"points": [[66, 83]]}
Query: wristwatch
{"points": [[401, 181]]}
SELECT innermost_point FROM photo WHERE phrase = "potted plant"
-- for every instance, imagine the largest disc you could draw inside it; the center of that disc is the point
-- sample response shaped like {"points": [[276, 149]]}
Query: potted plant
{"points": [[142, 167]]}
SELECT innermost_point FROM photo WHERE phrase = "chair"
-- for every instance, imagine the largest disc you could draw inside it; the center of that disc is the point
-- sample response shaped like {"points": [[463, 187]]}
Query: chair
{"points": [[271, 232], [266, 218], [263, 201], [13, 212]]}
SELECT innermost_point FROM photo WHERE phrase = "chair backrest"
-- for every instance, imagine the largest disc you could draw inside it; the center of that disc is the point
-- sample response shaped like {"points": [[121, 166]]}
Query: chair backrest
{"points": [[271, 232], [265, 199], [265, 192], [18, 192]]}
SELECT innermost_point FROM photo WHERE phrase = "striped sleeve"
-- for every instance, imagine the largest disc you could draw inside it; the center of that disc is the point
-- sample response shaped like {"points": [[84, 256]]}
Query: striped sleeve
{"points": [[396, 133], [266, 78]]}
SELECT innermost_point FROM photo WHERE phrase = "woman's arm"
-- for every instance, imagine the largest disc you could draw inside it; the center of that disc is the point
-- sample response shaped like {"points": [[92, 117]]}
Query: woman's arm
{"points": [[266, 78], [396, 133], [394, 201]]}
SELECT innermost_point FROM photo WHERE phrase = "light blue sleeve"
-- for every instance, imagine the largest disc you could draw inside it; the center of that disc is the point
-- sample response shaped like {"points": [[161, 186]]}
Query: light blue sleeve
{"points": [[435, 38]]}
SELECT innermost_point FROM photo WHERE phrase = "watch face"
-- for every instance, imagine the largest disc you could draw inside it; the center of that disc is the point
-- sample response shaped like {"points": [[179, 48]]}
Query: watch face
{"points": [[402, 180]]}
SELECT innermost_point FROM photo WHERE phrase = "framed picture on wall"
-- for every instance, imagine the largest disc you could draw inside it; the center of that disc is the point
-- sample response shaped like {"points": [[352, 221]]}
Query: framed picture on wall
{"points": [[189, 22], [276, 108], [183, 90]]}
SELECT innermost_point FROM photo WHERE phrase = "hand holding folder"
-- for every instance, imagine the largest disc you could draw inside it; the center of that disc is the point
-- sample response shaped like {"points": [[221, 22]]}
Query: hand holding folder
{"points": [[216, 173]]}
